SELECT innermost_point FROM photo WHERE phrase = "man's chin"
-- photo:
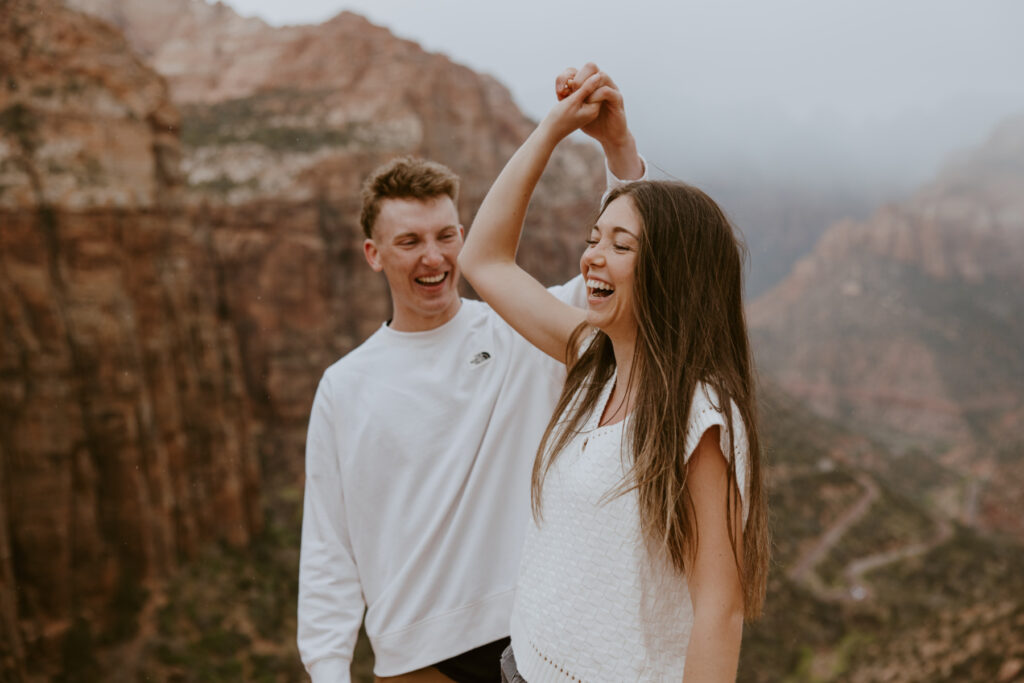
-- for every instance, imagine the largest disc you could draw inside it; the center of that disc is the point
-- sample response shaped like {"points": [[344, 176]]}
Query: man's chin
{"points": [[439, 303]]}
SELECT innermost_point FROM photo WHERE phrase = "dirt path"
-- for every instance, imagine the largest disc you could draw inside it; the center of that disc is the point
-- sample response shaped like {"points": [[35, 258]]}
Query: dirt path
{"points": [[856, 570], [802, 570], [855, 588]]}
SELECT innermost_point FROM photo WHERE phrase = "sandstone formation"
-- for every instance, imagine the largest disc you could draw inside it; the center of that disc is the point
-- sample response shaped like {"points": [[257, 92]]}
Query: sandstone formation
{"points": [[280, 126], [910, 325], [173, 284], [125, 440]]}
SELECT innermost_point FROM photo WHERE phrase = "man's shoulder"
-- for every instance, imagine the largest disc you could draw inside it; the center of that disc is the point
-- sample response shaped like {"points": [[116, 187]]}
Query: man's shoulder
{"points": [[356, 361]]}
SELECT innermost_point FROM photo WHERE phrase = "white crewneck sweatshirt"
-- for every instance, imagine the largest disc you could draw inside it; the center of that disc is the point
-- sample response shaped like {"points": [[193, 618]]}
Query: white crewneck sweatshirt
{"points": [[418, 463]]}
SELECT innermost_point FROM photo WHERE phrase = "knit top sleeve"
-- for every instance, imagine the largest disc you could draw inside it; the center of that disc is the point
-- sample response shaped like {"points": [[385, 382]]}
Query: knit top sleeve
{"points": [[706, 412]]}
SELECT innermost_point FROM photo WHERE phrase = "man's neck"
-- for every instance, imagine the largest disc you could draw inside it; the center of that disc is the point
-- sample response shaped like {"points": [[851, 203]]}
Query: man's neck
{"points": [[407, 321]]}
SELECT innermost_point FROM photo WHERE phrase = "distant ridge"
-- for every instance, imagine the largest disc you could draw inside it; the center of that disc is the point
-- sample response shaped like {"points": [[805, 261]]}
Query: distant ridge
{"points": [[910, 326]]}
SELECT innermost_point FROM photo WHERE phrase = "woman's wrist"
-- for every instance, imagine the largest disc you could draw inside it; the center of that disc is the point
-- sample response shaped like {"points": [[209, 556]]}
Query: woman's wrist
{"points": [[547, 135]]}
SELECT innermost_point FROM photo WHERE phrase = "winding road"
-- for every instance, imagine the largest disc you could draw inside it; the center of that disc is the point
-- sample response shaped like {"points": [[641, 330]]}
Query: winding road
{"points": [[803, 570]]}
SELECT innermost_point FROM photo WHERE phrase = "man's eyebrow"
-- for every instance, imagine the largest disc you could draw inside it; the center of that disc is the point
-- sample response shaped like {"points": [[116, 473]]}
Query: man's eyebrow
{"points": [[413, 233]]}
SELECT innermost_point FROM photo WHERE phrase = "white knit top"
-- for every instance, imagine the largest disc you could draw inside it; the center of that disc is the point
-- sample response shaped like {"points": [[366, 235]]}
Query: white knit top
{"points": [[593, 601]]}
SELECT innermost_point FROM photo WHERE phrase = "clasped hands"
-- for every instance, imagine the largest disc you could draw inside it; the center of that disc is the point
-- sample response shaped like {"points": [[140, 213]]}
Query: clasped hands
{"points": [[589, 100]]}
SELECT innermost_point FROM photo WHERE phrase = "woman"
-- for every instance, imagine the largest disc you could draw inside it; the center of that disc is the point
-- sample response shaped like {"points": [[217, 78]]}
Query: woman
{"points": [[649, 543]]}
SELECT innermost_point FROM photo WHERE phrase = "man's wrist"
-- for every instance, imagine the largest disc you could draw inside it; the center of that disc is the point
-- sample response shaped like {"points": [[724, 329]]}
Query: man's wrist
{"points": [[330, 670], [623, 160]]}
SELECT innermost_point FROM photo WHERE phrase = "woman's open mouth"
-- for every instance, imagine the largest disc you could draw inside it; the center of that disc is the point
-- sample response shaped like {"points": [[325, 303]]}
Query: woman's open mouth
{"points": [[598, 288]]}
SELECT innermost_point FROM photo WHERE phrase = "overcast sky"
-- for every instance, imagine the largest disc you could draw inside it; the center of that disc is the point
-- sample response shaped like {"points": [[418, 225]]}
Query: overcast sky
{"points": [[885, 88]]}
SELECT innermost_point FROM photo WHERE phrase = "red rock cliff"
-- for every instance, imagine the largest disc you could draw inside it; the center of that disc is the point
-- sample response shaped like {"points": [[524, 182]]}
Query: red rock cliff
{"points": [[173, 286], [280, 126], [124, 425]]}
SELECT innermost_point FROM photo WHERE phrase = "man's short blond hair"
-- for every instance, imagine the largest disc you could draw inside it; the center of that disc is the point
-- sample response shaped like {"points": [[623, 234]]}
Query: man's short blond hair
{"points": [[406, 177]]}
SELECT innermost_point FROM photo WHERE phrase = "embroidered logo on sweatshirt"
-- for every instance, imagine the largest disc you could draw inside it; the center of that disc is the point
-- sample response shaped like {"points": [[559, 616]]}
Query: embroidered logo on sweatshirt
{"points": [[479, 358]]}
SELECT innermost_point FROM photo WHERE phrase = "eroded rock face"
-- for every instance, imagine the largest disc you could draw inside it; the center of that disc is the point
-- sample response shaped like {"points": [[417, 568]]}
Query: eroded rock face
{"points": [[280, 126], [124, 427], [910, 325], [169, 306]]}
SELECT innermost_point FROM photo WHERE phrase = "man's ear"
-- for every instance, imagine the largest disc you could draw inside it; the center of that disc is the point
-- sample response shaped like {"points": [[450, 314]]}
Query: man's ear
{"points": [[462, 231], [372, 255]]}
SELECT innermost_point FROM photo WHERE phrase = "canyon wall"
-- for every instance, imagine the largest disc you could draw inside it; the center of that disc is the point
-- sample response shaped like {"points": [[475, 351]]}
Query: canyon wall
{"points": [[180, 259], [124, 424]]}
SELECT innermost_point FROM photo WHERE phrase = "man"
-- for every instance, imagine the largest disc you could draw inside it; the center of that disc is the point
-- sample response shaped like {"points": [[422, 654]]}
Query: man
{"points": [[421, 442]]}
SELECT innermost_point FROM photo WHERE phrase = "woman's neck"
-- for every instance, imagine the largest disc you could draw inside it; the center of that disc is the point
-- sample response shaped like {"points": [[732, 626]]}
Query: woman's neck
{"points": [[620, 403]]}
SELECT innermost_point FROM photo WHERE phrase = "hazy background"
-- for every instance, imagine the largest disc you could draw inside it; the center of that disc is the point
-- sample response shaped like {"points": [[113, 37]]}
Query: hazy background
{"points": [[871, 94]]}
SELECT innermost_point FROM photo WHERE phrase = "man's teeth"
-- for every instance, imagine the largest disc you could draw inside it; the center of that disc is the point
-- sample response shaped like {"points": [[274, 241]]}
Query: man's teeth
{"points": [[432, 280], [597, 284]]}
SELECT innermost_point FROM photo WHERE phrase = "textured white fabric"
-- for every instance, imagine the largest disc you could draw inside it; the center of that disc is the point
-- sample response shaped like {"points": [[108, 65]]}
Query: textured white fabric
{"points": [[418, 463], [594, 602]]}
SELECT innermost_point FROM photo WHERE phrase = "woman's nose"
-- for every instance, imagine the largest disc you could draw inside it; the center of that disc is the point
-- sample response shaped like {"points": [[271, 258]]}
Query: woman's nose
{"points": [[593, 255]]}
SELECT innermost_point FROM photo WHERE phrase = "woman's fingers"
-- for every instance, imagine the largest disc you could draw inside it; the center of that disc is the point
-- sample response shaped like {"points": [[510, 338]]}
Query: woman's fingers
{"points": [[585, 109], [585, 72], [588, 87], [565, 83]]}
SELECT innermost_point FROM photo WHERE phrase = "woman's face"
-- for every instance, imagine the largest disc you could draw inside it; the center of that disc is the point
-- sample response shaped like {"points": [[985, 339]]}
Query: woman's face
{"points": [[608, 266]]}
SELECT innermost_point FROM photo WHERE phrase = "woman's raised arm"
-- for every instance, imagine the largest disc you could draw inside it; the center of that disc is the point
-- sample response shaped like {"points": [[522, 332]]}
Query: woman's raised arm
{"points": [[488, 258]]}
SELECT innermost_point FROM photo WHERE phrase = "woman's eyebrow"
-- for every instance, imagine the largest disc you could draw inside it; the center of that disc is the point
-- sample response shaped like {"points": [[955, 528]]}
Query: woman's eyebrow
{"points": [[616, 229]]}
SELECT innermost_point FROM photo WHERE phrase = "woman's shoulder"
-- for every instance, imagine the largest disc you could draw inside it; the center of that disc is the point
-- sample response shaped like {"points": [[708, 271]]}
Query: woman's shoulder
{"points": [[707, 411]]}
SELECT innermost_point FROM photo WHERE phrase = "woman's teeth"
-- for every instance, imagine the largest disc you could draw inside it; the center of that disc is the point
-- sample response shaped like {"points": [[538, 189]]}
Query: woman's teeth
{"points": [[432, 280], [600, 288]]}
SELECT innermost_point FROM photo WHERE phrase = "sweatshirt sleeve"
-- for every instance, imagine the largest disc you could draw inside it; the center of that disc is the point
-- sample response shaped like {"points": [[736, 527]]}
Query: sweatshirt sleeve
{"points": [[611, 181], [331, 601]]}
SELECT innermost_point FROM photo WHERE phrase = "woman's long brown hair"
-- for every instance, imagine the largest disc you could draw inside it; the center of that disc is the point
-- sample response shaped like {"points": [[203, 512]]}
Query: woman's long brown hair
{"points": [[688, 303]]}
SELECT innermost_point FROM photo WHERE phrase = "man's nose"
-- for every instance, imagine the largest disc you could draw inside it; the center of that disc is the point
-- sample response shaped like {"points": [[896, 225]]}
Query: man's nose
{"points": [[432, 255]]}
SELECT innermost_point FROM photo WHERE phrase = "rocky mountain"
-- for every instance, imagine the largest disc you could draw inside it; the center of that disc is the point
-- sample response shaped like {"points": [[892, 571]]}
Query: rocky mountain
{"points": [[869, 584], [910, 326], [125, 438], [179, 261], [782, 218], [279, 127]]}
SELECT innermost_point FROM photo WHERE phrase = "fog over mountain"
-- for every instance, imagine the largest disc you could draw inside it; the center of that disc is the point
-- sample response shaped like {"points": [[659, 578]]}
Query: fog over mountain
{"points": [[870, 93], [792, 114]]}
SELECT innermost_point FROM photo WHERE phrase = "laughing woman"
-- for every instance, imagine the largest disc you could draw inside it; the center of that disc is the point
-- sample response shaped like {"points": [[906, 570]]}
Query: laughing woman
{"points": [[649, 545]]}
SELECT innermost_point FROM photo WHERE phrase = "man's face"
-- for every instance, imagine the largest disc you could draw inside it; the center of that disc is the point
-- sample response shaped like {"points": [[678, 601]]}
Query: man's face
{"points": [[416, 244]]}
